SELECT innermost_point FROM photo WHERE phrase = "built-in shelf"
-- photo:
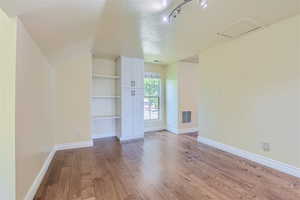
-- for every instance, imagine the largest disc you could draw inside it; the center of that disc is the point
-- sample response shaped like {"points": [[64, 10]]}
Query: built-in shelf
{"points": [[106, 117], [105, 76], [105, 97]]}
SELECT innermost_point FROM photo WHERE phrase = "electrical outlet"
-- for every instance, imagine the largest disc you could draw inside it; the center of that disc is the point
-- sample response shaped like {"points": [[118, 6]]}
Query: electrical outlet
{"points": [[266, 146]]}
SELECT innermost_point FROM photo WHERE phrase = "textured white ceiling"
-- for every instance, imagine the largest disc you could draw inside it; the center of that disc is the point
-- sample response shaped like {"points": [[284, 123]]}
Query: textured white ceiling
{"points": [[135, 27], [63, 24], [8, 6]]}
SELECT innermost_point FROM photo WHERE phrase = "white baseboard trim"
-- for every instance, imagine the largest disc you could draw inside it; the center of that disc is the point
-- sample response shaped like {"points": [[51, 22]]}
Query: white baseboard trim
{"points": [[172, 130], [39, 178], [153, 129], [103, 136], [182, 131], [74, 145], [128, 139], [280, 166], [187, 130]]}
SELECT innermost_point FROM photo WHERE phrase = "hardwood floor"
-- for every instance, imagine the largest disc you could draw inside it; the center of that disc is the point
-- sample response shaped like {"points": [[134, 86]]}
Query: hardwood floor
{"points": [[162, 167]]}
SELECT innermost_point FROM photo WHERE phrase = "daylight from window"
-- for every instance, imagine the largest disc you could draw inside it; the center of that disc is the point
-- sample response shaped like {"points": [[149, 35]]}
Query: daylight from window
{"points": [[152, 98]]}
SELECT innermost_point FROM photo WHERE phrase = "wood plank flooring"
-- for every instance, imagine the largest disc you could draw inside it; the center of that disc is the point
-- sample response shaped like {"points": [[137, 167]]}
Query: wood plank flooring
{"points": [[162, 167]]}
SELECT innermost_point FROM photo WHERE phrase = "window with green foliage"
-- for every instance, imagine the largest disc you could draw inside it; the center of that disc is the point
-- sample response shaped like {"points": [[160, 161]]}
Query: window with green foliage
{"points": [[152, 98]]}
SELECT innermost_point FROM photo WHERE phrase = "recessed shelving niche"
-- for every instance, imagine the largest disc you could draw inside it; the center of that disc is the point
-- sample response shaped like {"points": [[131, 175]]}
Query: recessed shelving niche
{"points": [[105, 98]]}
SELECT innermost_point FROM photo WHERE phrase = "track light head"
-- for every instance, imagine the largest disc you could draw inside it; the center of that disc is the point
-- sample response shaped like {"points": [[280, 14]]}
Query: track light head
{"points": [[177, 10]]}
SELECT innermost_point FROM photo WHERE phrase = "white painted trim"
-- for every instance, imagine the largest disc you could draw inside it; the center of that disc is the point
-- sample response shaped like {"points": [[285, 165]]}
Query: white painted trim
{"points": [[74, 145], [39, 178], [153, 129], [182, 131], [280, 166], [127, 139], [103, 136], [187, 130], [172, 129]]}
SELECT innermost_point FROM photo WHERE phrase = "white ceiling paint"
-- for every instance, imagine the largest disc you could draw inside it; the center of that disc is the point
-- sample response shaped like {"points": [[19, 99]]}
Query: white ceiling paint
{"points": [[135, 27], [19, 7], [58, 26], [9, 7], [32, 5]]}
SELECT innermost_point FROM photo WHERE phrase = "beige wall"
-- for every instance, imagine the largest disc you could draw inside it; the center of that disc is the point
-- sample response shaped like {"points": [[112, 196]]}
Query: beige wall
{"points": [[188, 93], [52, 106], [40, 106], [182, 95], [160, 124], [250, 92], [7, 106], [172, 99], [34, 111], [73, 89]]}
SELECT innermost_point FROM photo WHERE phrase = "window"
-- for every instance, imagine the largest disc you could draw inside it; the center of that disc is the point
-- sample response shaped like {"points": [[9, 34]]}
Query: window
{"points": [[152, 97]]}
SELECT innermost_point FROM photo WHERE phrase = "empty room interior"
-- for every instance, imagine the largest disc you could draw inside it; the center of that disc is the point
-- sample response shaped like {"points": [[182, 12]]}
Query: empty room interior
{"points": [[150, 100]]}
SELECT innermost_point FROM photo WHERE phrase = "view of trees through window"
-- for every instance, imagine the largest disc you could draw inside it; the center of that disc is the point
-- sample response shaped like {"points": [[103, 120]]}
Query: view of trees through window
{"points": [[152, 99]]}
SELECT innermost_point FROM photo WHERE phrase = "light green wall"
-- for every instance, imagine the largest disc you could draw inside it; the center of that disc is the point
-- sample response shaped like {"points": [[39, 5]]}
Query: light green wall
{"points": [[7, 106], [250, 92]]}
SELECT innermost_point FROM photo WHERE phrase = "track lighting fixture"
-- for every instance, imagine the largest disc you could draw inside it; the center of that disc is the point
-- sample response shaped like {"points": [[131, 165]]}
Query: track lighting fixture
{"points": [[177, 10]]}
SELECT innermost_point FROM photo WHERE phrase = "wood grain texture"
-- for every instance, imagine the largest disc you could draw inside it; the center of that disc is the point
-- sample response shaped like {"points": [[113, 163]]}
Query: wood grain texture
{"points": [[162, 167]]}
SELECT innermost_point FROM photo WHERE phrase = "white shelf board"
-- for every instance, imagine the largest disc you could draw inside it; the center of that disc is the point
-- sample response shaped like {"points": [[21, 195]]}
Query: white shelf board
{"points": [[105, 76], [106, 117]]}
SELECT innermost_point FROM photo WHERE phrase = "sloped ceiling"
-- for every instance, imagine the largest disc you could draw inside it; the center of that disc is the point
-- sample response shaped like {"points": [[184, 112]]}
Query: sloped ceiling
{"points": [[58, 25], [135, 27], [9, 7]]}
